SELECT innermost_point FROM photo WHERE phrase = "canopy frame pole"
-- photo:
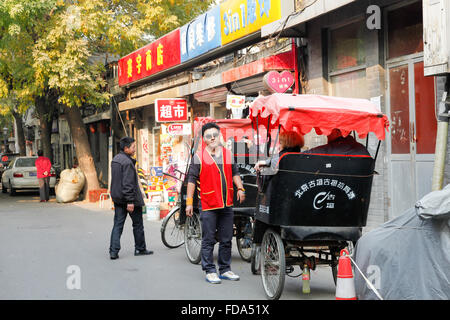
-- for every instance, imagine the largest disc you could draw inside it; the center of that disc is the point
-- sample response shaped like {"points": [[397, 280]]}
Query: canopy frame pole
{"points": [[268, 137], [276, 140], [194, 146], [378, 148], [257, 139]]}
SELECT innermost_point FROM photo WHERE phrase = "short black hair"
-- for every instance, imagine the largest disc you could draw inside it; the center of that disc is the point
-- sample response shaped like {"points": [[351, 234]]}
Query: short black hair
{"points": [[209, 125], [40, 153], [125, 142]]}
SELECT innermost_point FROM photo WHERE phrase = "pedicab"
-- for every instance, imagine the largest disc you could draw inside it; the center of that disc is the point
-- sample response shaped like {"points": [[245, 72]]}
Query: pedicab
{"points": [[178, 229], [313, 205]]}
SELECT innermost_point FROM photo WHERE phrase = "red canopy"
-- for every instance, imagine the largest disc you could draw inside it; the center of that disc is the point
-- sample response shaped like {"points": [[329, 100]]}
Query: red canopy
{"points": [[304, 112]]}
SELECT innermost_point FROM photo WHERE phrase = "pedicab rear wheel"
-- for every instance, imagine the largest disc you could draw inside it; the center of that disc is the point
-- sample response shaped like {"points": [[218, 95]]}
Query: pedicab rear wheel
{"points": [[193, 238], [256, 259], [273, 264]]}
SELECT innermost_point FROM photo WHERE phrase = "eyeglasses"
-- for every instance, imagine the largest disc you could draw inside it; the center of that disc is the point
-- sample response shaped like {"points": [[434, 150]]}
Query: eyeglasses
{"points": [[209, 136]]}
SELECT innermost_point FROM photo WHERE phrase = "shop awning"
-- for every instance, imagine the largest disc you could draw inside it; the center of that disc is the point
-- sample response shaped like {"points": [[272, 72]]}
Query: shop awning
{"points": [[148, 99], [97, 117]]}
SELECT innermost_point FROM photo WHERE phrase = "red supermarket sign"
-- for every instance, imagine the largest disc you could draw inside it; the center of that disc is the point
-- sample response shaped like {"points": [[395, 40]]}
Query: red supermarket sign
{"points": [[171, 110], [155, 57]]}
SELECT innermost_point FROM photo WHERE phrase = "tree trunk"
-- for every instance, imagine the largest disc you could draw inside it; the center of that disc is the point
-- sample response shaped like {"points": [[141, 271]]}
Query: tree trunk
{"points": [[44, 113], [20, 133], [83, 149]]}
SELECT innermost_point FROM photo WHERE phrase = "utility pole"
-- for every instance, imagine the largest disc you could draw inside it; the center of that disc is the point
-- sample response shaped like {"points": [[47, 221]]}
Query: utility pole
{"points": [[441, 139]]}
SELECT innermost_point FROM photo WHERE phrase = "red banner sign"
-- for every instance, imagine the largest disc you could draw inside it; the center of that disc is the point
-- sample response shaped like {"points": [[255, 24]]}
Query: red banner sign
{"points": [[171, 110], [155, 57]]}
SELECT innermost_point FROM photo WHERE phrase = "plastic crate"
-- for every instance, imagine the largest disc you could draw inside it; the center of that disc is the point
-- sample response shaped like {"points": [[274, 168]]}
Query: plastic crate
{"points": [[94, 195]]}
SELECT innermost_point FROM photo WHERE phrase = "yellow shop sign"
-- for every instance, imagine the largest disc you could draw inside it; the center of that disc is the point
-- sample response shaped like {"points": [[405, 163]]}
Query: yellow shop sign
{"points": [[242, 17]]}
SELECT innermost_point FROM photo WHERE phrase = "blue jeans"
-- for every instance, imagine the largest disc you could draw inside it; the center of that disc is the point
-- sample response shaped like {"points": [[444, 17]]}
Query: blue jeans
{"points": [[120, 214], [220, 220]]}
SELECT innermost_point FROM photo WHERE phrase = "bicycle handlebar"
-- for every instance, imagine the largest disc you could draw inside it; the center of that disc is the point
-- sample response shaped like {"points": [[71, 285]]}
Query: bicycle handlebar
{"points": [[168, 174]]}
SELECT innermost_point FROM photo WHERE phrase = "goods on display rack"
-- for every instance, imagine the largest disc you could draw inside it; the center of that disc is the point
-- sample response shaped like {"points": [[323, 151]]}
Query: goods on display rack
{"points": [[173, 155]]}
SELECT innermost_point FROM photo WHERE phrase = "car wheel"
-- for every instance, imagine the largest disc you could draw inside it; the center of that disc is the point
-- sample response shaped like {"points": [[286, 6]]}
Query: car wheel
{"points": [[12, 191], [4, 189]]}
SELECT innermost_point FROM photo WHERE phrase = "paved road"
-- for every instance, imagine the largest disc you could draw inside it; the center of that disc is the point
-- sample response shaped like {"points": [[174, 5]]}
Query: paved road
{"points": [[40, 241]]}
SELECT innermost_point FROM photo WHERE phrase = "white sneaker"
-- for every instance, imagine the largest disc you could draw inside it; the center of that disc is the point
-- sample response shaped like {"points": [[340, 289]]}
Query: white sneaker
{"points": [[212, 278], [229, 275]]}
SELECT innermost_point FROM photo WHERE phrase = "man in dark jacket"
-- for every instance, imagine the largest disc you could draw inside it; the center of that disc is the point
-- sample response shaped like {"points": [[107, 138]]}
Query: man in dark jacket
{"points": [[127, 198], [337, 144]]}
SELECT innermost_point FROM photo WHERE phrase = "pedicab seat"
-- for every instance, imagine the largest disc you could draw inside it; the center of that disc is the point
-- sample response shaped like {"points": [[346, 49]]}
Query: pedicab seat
{"points": [[312, 190]]}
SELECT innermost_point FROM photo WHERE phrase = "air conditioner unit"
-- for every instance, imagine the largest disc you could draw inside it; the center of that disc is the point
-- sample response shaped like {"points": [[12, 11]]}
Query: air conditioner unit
{"points": [[436, 37]]}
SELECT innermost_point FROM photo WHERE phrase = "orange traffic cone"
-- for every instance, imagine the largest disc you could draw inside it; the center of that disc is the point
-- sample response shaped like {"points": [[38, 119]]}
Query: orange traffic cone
{"points": [[345, 287]]}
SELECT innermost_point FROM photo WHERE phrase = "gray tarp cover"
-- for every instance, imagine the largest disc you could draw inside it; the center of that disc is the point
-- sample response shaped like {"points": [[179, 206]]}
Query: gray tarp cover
{"points": [[409, 256]]}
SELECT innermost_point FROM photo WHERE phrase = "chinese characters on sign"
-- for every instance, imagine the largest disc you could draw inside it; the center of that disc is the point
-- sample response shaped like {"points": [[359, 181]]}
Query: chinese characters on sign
{"points": [[236, 104], [229, 21], [178, 129], [324, 199], [201, 35], [157, 56], [243, 17], [143, 133], [171, 110], [234, 101], [278, 82]]}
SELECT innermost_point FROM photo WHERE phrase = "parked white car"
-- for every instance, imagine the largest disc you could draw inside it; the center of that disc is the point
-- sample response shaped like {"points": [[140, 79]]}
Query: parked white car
{"points": [[21, 175]]}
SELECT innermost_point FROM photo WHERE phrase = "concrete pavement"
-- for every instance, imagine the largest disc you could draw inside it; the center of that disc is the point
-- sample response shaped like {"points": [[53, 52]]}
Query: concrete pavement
{"points": [[45, 245]]}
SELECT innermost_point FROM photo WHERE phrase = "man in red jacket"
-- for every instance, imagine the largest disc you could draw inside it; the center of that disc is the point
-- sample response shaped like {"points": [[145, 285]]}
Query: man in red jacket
{"points": [[212, 167], [43, 167]]}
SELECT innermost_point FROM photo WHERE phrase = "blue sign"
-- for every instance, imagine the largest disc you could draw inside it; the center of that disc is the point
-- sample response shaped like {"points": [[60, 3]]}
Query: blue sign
{"points": [[156, 171], [201, 35]]}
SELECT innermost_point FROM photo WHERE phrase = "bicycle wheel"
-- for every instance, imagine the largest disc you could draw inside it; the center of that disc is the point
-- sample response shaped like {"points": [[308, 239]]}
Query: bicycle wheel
{"points": [[171, 230], [244, 239], [193, 238], [256, 259], [273, 264]]}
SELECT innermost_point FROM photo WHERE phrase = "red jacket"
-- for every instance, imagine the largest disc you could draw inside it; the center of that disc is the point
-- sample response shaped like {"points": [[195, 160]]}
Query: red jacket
{"points": [[211, 181], [43, 164]]}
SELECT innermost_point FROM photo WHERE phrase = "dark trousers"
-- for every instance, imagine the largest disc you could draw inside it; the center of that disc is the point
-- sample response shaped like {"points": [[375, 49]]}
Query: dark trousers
{"points": [[44, 188], [120, 214], [220, 220]]}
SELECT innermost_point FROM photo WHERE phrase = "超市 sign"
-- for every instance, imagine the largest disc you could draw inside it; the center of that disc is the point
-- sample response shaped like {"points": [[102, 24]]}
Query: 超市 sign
{"points": [[171, 110]]}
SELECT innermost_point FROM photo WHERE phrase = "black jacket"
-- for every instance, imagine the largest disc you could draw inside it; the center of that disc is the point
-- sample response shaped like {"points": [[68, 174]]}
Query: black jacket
{"points": [[345, 146], [124, 181]]}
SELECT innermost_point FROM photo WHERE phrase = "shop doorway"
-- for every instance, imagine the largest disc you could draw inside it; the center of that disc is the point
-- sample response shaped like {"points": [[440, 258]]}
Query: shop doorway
{"points": [[411, 108]]}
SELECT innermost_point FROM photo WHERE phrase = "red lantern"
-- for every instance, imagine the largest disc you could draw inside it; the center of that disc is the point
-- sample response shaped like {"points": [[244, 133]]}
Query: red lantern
{"points": [[92, 128]]}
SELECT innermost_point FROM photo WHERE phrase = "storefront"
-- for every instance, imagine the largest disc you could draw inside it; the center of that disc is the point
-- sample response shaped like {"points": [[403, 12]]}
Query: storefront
{"points": [[217, 55], [375, 50]]}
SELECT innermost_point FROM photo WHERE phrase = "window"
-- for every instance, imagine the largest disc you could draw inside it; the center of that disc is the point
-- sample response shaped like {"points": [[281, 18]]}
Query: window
{"points": [[405, 30], [25, 162], [347, 65], [347, 46]]}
